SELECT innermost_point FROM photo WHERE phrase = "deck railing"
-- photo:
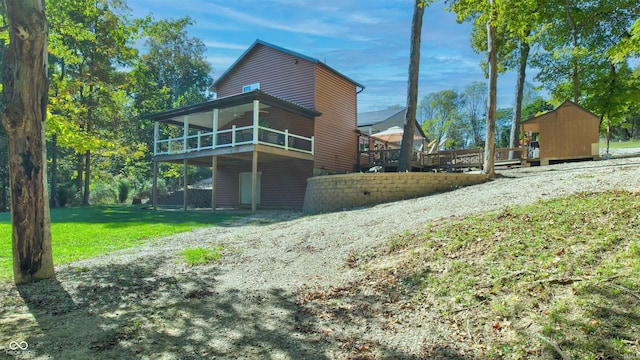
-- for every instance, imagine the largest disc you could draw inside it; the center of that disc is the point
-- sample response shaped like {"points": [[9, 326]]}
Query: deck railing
{"points": [[444, 159], [236, 136]]}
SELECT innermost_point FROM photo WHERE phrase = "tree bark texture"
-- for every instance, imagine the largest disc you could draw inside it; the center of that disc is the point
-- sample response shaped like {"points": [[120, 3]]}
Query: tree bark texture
{"points": [[25, 91], [575, 76], [514, 140], [53, 202], [406, 149], [490, 141]]}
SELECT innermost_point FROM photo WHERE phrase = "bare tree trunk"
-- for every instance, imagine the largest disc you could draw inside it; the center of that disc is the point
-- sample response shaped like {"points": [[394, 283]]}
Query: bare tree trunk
{"points": [[490, 141], [79, 171], [514, 140], [54, 203], [25, 91], [87, 177], [574, 34], [406, 149]]}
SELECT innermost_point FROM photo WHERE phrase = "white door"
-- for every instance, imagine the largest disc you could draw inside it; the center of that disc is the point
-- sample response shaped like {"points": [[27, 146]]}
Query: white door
{"points": [[245, 188]]}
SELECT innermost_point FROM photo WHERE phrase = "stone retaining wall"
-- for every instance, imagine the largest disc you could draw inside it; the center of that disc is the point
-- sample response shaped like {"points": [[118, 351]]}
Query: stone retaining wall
{"points": [[341, 192]]}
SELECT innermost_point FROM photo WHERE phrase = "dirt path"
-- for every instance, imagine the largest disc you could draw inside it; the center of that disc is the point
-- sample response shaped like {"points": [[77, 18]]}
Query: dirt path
{"points": [[145, 303]]}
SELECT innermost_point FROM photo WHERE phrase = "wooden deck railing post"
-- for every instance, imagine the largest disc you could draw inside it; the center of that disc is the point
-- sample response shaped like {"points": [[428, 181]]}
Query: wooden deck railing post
{"points": [[156, 130], [185, 122], [256, 120], [214, 141]]}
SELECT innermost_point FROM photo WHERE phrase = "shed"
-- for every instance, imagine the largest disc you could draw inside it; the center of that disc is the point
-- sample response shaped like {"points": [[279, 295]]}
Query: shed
{"points": [[570, 132]]}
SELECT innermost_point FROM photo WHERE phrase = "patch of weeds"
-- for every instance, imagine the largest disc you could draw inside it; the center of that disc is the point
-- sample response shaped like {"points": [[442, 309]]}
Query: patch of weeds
{"points": [[401, 241], [82, 269], [201, 256]]}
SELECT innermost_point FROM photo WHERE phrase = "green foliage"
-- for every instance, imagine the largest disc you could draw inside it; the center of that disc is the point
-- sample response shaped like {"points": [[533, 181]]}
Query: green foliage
{"points": [[103, 193], [84, 232], [201, 256], [123, 190], [440, 116]]}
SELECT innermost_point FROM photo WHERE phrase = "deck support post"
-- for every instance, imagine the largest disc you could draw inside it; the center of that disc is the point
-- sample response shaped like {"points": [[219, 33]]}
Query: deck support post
{"points": [[254, 182], [186, 187], [214, 177]]}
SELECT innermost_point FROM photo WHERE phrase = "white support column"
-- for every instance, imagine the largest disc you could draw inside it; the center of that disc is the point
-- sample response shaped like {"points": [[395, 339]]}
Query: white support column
{"points": [[256, 120], [233, 135], [215, 128], [156, 131], [286, 139], [186, 132]]}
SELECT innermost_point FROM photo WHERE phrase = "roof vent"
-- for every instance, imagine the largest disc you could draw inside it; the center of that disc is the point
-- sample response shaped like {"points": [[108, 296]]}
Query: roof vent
{"points": [[250, 87]]}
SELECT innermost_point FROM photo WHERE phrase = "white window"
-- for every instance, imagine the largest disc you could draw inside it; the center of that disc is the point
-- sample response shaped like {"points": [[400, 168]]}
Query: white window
{"points": [[247, 88]]}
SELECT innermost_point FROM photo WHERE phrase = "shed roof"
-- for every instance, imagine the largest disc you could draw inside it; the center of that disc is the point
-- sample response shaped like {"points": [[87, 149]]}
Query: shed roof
{"points": [[564, 104], [259, 42]]}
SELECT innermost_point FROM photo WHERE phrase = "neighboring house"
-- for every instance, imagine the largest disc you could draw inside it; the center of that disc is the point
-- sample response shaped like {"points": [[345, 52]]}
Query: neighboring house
{"points": [[569, 132], [373, 122], [376, 121], [279, 118], [380, 139]]}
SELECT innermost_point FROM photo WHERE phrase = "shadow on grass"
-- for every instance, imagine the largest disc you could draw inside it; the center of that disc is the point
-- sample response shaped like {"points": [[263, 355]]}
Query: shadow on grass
{"points": [[142, 310]]}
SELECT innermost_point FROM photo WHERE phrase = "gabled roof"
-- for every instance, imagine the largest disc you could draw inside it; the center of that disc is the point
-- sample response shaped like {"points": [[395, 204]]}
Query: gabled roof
{"points": [[375, 117], [286, 51], [565, 103]]}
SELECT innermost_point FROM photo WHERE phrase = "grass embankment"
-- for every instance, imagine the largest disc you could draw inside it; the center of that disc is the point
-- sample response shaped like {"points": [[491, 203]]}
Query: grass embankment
{"points": [[84, 232], [561, 276]]}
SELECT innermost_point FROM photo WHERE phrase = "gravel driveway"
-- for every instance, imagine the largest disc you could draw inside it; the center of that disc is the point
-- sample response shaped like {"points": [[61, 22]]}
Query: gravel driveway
{"points": [[145, 303]]}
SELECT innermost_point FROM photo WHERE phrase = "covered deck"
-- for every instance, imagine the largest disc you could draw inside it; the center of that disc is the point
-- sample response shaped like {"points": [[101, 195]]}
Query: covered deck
{"points": [[236, 130]]}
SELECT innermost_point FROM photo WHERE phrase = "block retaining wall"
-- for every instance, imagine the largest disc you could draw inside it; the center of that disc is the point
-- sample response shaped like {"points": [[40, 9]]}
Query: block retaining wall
{"points": [[341, 192]]}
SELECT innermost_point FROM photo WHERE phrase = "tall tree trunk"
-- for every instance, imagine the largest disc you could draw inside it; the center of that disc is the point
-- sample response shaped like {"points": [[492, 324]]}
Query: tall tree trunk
{"points": [[25, 92], [87, 177], [514, 140], [574, 35], [406, 149], [54, 203], [490, 141], [612, 86], [79, 176]]}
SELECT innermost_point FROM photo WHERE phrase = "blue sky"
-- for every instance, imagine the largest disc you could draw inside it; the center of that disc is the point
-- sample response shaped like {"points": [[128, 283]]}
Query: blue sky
{"points": [[366, 40]]}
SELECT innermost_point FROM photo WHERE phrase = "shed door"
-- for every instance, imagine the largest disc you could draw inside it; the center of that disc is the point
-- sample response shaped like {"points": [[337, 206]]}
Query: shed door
{"points": [[245, 188]]}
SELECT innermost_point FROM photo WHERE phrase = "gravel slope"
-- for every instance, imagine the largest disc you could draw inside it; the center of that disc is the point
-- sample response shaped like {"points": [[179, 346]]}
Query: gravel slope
{"points": [[145, 303]]}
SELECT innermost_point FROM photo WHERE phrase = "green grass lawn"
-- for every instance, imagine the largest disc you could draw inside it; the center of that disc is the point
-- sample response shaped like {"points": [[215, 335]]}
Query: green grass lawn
{"points": [[83, 232], [620, 144]]}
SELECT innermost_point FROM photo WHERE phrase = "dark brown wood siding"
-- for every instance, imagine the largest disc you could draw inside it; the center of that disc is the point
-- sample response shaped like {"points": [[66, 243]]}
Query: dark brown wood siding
{"points": [[283, 183], [279, 74], [335, 131], [566, 132]]}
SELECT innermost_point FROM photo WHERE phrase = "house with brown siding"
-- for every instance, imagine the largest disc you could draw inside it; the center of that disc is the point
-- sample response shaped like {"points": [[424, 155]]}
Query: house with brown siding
{"points": [[279, 118]]}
